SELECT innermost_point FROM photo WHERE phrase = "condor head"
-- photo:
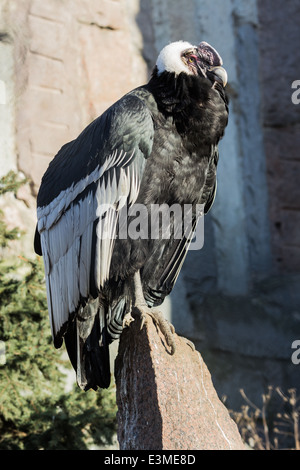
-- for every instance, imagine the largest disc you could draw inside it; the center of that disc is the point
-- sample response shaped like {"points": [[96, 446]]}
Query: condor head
{"points": [[182, 57]]}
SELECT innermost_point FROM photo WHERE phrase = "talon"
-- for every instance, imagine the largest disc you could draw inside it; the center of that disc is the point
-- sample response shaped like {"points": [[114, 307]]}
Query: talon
{"points": [[165, 327], [127, 320], [142, 309], [143, 319], [189, 343]]}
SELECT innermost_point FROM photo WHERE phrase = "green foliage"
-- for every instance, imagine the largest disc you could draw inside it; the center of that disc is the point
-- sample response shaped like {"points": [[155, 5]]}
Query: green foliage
{"points": [[36, 411], [8, 183]]}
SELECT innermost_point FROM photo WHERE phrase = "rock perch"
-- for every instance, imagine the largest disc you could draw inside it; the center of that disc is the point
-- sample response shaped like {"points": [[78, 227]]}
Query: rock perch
{"points": [[168, 402]]}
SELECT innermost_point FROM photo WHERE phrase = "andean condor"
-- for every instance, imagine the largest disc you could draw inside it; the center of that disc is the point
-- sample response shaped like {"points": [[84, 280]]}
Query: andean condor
{"points": [[156, 145]]}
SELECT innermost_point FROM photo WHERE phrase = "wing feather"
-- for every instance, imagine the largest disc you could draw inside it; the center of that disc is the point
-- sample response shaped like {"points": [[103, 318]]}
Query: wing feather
{"points": [[166, 275], [77, 225]]}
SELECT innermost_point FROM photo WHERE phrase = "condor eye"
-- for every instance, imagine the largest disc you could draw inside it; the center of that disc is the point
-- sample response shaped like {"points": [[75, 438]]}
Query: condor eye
{"points": [[192, 58]]}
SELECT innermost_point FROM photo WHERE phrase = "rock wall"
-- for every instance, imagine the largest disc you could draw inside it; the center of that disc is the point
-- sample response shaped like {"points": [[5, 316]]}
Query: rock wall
{"points": [[72, 60], [279, 49], [63, 62]]}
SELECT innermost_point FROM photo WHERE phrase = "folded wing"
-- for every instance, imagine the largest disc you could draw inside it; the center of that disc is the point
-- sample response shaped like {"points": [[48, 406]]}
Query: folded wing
{"points": [[81, 194]]}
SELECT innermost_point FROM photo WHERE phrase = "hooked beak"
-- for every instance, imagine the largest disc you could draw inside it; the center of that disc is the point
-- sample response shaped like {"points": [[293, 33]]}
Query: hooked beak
{"points": [[218, 74]]}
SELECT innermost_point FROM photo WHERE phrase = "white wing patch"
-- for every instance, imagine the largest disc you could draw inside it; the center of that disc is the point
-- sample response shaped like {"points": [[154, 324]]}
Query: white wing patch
{"points": [[66, 231]]}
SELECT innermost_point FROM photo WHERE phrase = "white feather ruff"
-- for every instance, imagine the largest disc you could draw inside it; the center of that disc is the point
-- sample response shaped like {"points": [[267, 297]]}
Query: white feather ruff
{"points": [[169, 60]]}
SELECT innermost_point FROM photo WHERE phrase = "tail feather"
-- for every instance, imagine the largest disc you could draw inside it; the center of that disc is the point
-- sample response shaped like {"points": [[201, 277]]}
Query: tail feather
{"points": [[87, 343]]}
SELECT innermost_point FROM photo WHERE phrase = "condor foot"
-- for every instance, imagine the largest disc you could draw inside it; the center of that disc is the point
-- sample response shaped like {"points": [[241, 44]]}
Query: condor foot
{"points": [[164, 325]]}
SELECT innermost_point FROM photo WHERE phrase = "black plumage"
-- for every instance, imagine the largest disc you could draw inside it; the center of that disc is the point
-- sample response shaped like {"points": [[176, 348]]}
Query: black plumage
{"points": [[156, 145]]}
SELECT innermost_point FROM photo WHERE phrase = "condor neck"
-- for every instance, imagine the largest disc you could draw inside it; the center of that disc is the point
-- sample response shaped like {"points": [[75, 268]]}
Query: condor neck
{"points": [[178, 93], [181, 97], [191, 103]]}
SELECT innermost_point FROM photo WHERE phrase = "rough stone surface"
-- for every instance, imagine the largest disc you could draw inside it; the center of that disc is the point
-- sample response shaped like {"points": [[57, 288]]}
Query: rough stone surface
{"points": [[8, 160], [279, 47], [69, 58], [168, 401]]}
